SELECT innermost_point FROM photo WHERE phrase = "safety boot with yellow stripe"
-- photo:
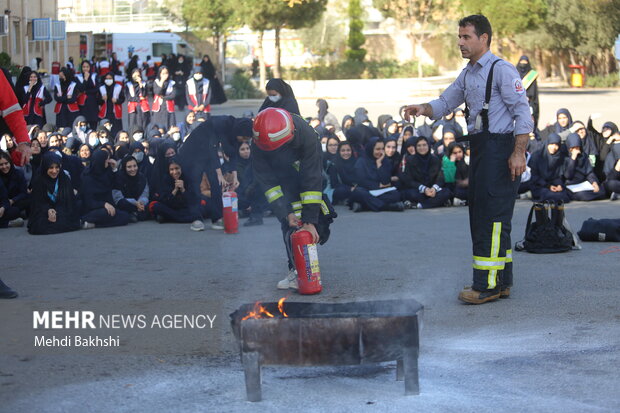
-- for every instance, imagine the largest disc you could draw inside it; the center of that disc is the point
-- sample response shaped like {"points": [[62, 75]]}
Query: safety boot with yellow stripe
{"points": [[471, 296]]}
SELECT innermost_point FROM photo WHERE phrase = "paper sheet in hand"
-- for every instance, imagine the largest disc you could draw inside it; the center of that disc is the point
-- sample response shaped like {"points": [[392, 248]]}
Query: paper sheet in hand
{"points": [[584, 186], [377, 192]]}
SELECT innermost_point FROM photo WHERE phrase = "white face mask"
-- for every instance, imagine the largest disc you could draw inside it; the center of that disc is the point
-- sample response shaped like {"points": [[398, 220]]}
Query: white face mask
{"points": [[275, 98], [176, 136], [151, 159], [138, 137], [198, 76], [324, 146], [109, 82], [466, 159], [93, 141], [103, 141], [139, 156]]}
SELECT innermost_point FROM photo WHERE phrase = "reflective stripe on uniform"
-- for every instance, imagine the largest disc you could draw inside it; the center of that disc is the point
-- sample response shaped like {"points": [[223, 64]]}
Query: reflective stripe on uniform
{"points": [[487, 263], [6, 112], [508, 255], [311, 197], [324, 208], [497, 230], [274, 193], [296, 205]]}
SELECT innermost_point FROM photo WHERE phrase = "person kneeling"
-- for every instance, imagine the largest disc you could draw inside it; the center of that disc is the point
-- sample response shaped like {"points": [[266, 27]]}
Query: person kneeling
{"points": [[175, 201]]}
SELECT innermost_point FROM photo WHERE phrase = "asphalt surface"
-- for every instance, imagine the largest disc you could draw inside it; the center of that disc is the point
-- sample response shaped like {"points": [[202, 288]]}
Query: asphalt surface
{"points": [[553, 346]]}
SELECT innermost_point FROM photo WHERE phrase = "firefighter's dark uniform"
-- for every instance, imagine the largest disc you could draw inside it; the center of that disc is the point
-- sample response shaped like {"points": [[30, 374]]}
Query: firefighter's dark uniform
{"points": [[292, 179], [492, 193]]}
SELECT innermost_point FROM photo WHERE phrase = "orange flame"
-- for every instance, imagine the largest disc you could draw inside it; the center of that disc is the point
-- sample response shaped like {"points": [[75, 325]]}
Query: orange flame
{"points": [[281, 306], [258, 311]]}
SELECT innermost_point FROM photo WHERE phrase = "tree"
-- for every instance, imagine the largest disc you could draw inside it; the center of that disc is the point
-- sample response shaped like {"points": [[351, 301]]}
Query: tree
{"points": [[422, 18], [509, 17], [217, 17], [356, 39], [324, 38]]}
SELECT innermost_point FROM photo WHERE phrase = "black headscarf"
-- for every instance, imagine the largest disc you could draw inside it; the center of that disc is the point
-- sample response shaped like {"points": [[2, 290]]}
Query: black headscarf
{"points": [[130, 186], [409, 142], [588, 145], [287, 102], [383, 119], [68, 79], [344, 120], [207, 68], [423, 161], [345, 167], [59, 190], [322, 105], [524, 68], [611, 126], [558, 128], [397, 157], [22, 80], [549, 165], [360, 115], [159, 171], [612, 158]]}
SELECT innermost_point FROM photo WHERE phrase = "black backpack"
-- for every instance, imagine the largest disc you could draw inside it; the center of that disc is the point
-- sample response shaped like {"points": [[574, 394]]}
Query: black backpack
{"points": [[550, 232], [600, 230]]}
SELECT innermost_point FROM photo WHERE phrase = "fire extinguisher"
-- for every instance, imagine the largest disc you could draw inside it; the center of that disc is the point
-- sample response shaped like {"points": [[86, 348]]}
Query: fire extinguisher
{"points": [[231, 216], [306, 262]]}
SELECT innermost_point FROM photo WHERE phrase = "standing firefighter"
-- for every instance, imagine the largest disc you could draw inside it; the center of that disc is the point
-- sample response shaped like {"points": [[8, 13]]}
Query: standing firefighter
{"points": [[499, 124], [287, 165]]}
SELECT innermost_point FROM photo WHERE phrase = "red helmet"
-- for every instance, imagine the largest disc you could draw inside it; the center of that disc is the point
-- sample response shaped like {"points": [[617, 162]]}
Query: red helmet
{"points": [[273, 127]]}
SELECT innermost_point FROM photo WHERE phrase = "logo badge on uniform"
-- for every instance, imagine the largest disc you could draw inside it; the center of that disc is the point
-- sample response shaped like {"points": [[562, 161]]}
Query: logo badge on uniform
{"points": [[518, 86]]}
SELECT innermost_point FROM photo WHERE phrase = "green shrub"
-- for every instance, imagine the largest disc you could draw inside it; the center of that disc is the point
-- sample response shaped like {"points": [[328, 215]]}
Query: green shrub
{"points": [[242, 87], [610, 80]]}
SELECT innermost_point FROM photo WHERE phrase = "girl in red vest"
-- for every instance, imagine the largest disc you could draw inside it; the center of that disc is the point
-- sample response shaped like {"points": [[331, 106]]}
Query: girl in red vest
{"points": [[111, 108], [36, 97], [138, 109], [163, 99], [198, 93], [88, 100], [66, 96]]}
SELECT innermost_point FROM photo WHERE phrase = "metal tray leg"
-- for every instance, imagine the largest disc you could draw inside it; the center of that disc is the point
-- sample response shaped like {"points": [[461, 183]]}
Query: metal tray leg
{"points": [[251, 368]]}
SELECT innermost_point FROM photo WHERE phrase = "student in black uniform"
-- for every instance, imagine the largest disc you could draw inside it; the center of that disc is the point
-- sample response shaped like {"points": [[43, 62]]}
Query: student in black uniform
{"points": [[131, 189], [9, 213], [423, 181], [612, 171], [96, 195], [15, 183], [342, 177], [578, 169], [561, 127], [176, 201], [89, 98], [373, 172], [54, 206], [280, 95], [36, 97], [250, 195], [112, 98], [66, 94], [163, 99], [138, 109], [547, 182]]}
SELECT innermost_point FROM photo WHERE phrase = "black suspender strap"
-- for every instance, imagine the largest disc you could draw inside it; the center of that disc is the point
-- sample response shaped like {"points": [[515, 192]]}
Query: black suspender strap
{"points": [[484, 113]]}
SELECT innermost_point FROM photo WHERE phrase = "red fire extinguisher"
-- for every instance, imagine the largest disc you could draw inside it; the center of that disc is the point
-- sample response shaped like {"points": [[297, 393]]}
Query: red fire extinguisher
{"points": [[306, 262], [231, 216]]}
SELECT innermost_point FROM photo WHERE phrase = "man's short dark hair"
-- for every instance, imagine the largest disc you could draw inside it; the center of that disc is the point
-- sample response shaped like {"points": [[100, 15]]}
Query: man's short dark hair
{"points": [[481, 25]]}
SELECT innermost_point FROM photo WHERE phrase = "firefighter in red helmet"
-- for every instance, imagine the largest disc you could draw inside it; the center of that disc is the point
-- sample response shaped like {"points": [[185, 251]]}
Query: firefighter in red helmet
{"points": [[287, 164]]}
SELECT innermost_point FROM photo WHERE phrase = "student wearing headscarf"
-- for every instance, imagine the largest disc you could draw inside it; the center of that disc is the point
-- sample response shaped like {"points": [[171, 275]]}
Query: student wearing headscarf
{"points": [[137, 150], [342, 176], [347, 123], [96, 194], [395, 159], [547, 182], [447, 137], [131, 190], [456, 154], [163, 99], [66, 94], [588, 144], [604, 141], [36, 97], [391, 130], [524, 68], [88, 101], [611, 170], [53, 207], [138, 109], [35, 159], [325, 117], [175, 200], [79, 133], [408, 132], [250, 195], [449, 121], [187, 125], [84, 153], [111, 103], [423, 181], [373, 172], [561, 127], [23, 80], [382, 123], [578, 169], [218, 96], [280, 95], [198, 91], [17, 197], [159, 170]]}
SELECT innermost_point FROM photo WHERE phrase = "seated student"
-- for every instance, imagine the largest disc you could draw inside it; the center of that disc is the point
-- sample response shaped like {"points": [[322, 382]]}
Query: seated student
{"points": [[448, 136], [373, 172], [561, 127], [84, 154], [606, 137], [159, 169], [175, 201], [454, 153], [96, 194], [15, 183], [79, 133], [578, 170], [395, 158], [187, 125], [391, 130], [461, 177], [588, 144], [9, 215], [612, 171], [423, 181], [35, 160], [54, 207], [131, 190], [342, 175], [547, 182]]}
